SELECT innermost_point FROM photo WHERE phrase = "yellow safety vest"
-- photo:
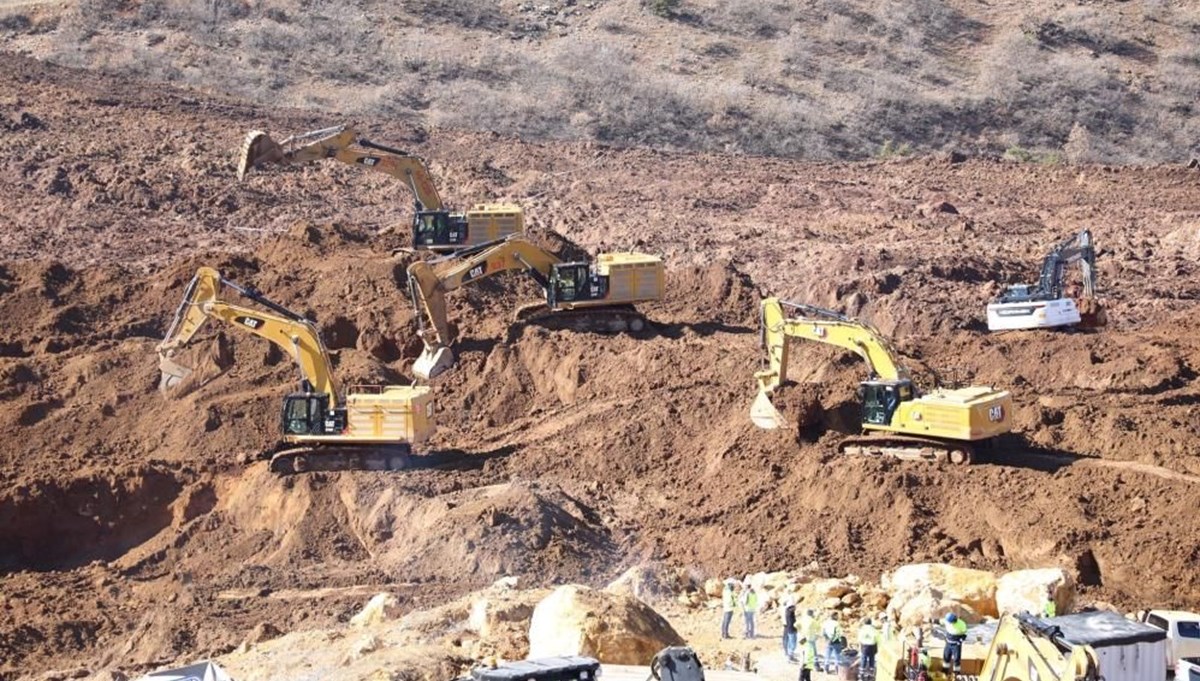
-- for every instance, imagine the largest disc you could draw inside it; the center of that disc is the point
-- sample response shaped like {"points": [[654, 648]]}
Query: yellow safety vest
{"points": [[867, 636], [727, 600], [810, 654]]}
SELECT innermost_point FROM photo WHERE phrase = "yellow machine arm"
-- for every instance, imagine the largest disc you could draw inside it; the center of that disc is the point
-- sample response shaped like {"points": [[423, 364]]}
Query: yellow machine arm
{"points": [[822, 326], [1026, 648], [292, 333], [428, 287], [342, 144]]}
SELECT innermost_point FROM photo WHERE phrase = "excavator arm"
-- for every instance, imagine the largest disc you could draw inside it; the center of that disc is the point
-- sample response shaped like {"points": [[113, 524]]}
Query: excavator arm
{"points": [[429, 285], [342, 144], [1028, 649], [293, 334], [820, 325]]}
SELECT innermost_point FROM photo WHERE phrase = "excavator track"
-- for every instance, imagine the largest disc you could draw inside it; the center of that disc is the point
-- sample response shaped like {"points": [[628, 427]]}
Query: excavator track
{"points": [[908, 448], [309, 458], [598, 319]]}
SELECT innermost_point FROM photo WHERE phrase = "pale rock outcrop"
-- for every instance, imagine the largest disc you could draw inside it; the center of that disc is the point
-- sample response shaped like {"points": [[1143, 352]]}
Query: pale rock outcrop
{"points": [[1025, 590], [613, 628], [975, 589], [380, 608], [916, 606]]}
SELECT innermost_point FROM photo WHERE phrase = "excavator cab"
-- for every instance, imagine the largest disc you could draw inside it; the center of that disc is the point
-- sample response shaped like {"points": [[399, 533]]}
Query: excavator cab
{"points": [[880, 399], [438, 228], [573, 282], [308, 413]]}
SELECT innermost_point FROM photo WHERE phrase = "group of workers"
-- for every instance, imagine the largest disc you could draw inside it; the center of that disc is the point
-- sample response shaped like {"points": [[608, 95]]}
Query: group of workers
{"points": [[740, 597], [801, 632]]}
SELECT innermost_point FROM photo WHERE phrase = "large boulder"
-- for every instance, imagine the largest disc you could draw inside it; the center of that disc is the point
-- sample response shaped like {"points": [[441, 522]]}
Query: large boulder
{"points": [[641, 582], [975, 589], [821, 590], [613, 628], [920, 605], [1024, 590], [713, 587]]}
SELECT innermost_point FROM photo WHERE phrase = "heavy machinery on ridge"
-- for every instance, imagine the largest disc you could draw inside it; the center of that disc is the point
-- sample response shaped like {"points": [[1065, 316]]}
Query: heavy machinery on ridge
{"points": [[1047, 305], [372, 427], [434, 227], [945, 424], [589, 296]]}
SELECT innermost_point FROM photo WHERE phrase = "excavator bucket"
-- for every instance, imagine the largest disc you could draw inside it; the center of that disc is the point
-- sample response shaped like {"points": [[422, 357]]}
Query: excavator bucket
{"points": [[258, 149], [173, 374], [764, 414], [433, 362], [1092, 314]]}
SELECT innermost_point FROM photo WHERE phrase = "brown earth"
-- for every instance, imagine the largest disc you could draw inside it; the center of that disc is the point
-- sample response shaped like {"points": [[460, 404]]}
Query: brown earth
{"points": [[132, 534]]}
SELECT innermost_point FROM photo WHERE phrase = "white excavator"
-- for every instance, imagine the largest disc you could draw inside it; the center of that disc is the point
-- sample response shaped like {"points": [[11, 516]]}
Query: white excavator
{"points": [[434, 226], [368, 427], [1048, 305]]}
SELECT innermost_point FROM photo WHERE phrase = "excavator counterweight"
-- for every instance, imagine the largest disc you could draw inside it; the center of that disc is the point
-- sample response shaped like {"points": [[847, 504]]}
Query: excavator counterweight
{"points": [[323, 429], [899, 421], [434, 226]]}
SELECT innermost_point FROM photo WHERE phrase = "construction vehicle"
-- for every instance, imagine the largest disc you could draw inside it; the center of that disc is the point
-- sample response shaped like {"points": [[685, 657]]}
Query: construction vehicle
{"points": [[586, 296], [372, 427], [1023, 648], [945, 424], [434, 226], [1183, 632], [1047, 304]]}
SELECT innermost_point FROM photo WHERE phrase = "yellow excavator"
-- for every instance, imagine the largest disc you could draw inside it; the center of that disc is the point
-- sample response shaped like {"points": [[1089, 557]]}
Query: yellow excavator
{"points": [[1024, 648], [434, 228], [945, 424], [370, 427], [589, 296]]}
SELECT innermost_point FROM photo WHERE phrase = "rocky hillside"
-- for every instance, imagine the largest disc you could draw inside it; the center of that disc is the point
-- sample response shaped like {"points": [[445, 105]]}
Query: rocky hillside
{"points": [[1109, 80]]}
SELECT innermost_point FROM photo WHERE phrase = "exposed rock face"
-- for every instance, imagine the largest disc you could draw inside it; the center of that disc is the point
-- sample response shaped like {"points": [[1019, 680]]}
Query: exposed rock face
{"points": [[975, 589], [1025, 590], [613, 628], [380, 608]]}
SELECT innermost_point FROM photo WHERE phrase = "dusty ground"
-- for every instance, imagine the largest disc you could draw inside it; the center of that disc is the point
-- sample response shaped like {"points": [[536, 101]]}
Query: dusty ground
{"points": [[131, 534]]}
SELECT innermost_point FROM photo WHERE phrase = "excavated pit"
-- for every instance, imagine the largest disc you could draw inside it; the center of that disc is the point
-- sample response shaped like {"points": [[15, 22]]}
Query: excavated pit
{"points": [[60, 525]]}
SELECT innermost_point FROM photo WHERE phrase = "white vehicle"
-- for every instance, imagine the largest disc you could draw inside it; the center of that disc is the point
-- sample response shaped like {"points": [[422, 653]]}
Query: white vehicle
{"points": [[1183, 634], [1188, 669], [1032, 314], [1047, 304]]}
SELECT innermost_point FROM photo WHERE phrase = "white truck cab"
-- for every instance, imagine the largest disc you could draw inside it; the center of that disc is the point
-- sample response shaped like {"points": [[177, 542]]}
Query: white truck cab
{"points": [[1183, 634]]}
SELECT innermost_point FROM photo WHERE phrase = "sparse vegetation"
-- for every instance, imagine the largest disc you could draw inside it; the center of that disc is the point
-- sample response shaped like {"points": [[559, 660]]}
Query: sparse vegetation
{"points": [[831, 79], [17, 23], [1022, 155], [890, 149], [662, 8]]}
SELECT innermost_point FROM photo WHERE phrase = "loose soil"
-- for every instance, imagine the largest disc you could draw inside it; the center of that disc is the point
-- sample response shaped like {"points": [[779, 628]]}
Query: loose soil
{"points": [[133, 533]]}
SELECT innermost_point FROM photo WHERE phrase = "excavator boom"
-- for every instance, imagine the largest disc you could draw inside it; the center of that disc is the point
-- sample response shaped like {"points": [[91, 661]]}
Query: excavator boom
{"points": [[342, 144], [1030, 649], [296, 336], [816, 324]]}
